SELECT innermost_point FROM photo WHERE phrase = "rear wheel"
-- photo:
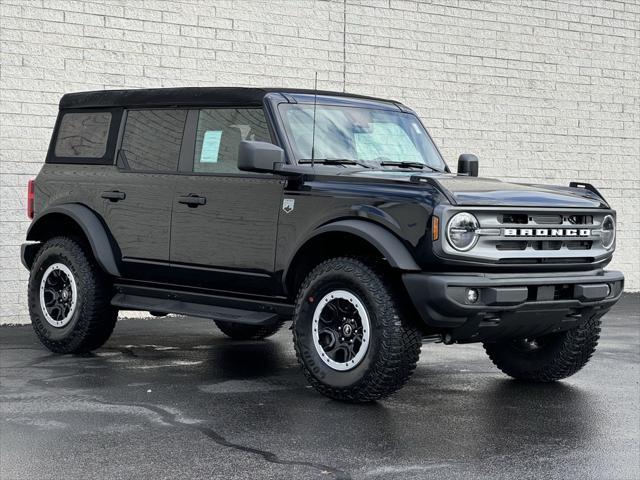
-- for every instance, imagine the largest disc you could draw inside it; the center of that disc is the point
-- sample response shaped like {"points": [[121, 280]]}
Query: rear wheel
{"points": [[240, 331], [548, 358], [350, 336], [70, 298]]}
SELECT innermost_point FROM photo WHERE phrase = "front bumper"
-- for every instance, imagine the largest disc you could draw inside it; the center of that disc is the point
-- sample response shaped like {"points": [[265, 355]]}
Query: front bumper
{"points": [[510, 305]]}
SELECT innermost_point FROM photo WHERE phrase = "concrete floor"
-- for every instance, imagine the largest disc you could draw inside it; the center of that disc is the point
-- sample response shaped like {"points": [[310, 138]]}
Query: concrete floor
{"points": [[173, 398]]}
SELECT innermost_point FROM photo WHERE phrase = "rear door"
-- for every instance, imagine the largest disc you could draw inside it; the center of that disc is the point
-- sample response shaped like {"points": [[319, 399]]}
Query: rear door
{"points": [[224, 226], [139, 197]]}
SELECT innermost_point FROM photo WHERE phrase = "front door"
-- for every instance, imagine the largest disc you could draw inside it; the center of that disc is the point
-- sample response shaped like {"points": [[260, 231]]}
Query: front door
{"points": [[138, 198], [224, 227]]}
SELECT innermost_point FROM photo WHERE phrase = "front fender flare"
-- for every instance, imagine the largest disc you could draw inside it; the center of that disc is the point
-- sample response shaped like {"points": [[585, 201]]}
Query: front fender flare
{"points": [[101, 242], [388, 244]]}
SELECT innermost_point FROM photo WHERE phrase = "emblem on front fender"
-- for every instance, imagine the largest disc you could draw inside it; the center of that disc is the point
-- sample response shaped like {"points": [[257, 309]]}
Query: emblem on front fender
{"points": [[288, 204]]}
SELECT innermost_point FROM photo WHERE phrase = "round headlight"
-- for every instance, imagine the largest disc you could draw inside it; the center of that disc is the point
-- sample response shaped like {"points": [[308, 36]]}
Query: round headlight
{"points": [[461, 231], [608, 232]]}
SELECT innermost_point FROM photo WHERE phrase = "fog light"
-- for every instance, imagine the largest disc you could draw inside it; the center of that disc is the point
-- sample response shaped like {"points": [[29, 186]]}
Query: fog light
{"points": [[472, 295]]}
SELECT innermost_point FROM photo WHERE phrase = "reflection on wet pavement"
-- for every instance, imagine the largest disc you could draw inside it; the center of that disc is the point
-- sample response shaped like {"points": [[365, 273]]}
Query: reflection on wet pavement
{"points": [[173, 397]]}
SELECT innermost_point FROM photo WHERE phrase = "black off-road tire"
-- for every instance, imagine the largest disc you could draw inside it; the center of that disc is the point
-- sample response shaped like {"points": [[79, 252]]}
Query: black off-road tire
{"points": [[394, 346], [93, 319], [239, 331], [560, 355]]}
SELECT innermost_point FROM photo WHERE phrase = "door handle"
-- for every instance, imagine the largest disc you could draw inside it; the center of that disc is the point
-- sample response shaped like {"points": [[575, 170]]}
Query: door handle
{"points": [[114, 195], [192, 200]]}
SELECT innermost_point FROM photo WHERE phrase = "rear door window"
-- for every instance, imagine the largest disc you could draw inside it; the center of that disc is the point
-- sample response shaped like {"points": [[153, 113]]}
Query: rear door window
{"points": [[219, 134], [152, 140]]}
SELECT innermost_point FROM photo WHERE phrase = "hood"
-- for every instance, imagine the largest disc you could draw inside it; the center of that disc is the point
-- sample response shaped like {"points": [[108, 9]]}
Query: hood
{"points": [[477, 191], [488, 191]]}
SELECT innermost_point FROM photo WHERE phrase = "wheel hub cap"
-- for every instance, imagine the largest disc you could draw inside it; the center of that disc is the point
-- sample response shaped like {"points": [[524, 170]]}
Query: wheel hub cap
{"points": [[341, 330], [58, 294]]}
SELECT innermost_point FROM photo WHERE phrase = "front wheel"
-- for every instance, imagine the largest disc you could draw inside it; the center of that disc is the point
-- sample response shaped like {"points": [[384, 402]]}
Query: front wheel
{"points": [[350, 337], [548, 358]]}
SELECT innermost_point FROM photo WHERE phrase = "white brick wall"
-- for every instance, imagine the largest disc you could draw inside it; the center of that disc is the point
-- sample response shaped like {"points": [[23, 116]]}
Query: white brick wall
{"points": [[543, 91]]}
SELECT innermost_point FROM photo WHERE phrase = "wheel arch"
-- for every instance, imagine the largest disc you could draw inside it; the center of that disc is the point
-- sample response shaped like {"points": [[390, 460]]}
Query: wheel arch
{"points": [[348, 236], [78, 219]]}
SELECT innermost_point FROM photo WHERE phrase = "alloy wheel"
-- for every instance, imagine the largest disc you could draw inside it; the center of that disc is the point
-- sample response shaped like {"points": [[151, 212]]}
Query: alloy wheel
{"points": [[58, 295], [341, 330]]}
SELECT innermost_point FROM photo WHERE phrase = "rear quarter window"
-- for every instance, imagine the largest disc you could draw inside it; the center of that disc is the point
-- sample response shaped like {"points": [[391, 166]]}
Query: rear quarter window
{"points": [[85, 137]]}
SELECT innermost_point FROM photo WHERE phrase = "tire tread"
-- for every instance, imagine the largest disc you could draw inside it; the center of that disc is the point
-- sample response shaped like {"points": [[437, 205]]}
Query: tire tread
{"points": [[400, 343], [97, 316], [576, 348]]}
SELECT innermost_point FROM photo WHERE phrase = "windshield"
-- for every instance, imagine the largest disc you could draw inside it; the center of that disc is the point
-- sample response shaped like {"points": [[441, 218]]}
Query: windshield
{"points": [[363, 135]]}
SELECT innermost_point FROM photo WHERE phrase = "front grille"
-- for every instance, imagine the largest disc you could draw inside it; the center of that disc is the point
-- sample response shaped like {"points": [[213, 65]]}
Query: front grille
{"points": [[546, 245], [579, 245], [510, 236], [512, 245], [547, 219], [543, 245], [541, 260], [514, 218], [536, 222]]}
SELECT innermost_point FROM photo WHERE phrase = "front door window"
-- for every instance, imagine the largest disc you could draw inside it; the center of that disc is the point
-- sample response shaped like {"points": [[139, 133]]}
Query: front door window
{"points": [[219, 134]]}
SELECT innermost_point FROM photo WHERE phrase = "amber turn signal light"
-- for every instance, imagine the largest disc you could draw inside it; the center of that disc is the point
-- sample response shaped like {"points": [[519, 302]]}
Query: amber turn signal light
{"points": [[435, 228]]}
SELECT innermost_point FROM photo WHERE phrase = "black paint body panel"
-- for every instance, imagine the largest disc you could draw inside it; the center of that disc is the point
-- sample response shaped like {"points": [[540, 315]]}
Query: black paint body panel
{"points": [[240, 241], [232, 237]]}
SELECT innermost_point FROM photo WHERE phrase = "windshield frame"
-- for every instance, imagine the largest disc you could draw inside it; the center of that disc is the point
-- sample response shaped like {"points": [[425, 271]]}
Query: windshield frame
{"points": [[344, 102]]}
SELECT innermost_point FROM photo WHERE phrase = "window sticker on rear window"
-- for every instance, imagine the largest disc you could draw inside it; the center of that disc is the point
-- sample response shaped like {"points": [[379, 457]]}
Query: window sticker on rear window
{"points": [[210, 146]]}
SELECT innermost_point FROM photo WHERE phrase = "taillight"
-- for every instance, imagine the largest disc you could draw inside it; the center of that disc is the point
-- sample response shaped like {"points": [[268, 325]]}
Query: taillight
{"points": [[31, 198]]}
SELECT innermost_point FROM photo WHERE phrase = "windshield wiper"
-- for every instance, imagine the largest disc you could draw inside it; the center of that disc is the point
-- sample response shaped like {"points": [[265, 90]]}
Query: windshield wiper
{"points": [[408, 165], [333, 161]]}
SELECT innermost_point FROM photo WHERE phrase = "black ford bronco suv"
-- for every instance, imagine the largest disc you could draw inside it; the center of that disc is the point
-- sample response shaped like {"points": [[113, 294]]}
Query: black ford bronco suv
{"points": [[256, 206]]}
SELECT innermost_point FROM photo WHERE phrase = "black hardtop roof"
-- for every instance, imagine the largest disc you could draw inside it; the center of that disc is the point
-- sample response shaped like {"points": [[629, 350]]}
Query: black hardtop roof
{"points": [[188, 96]]}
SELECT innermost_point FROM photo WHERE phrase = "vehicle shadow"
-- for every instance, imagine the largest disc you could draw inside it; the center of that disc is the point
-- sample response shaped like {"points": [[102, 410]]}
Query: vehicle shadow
{"points": [[246, 359]]}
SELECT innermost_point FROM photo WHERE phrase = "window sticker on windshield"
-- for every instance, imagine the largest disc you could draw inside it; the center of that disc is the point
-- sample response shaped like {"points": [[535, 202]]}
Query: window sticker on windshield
{"points": [[386, 141], [210, 146]]}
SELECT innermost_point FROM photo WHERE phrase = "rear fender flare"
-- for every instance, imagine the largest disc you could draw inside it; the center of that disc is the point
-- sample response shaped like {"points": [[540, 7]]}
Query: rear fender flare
{"points": [[102, 244]]}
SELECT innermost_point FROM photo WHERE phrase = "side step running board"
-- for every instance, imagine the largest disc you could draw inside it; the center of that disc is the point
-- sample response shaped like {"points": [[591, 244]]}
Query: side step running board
{"points": [[250, 312], [135, 302]]}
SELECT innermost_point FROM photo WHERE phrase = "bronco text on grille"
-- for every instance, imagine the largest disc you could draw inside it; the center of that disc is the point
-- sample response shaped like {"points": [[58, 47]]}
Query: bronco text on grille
{"points": [[546, 232]]}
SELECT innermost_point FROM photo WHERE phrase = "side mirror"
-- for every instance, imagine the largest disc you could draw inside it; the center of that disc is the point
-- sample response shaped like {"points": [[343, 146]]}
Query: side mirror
{"points": [[468, 165], [259, 156]]}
